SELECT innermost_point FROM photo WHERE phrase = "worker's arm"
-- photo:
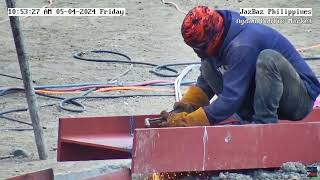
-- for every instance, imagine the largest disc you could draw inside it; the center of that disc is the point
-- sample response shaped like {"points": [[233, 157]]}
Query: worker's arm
{"points": [[202, 83], [241, 68], [195, 97]]}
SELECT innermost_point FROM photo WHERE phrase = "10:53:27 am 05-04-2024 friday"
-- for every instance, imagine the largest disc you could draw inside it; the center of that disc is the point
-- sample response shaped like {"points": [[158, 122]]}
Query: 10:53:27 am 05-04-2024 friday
{"points": [[66, 11]]}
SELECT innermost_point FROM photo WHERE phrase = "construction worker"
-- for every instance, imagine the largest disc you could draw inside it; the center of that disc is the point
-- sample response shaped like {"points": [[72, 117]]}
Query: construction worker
{"points": [[255, 71]]}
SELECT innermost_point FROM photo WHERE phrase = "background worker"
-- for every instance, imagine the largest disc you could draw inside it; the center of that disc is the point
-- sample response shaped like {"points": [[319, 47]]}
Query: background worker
{"points": [[253, 69]]}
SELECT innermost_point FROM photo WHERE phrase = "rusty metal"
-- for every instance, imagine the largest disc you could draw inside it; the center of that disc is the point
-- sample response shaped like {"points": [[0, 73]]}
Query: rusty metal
{"points": [[43, 175], [123, 174]]}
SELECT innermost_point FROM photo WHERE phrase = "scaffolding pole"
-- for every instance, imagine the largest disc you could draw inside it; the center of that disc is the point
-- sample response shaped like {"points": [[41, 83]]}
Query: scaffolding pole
{"points": [[27, 82]]}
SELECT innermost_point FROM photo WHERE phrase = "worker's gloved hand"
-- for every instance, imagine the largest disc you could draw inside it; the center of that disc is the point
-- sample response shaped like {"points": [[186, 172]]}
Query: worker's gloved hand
{"points": [[195, 97], [183, 107], [183, 119]]}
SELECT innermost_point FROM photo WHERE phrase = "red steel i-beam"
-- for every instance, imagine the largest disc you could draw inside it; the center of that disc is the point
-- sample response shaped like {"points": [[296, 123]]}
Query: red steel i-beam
{"points": [[183, 149], [97, 138], [225, 147]]}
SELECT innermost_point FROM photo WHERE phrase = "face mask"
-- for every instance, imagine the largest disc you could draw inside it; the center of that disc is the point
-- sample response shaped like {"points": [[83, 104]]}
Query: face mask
{"points": [[201, 54]]}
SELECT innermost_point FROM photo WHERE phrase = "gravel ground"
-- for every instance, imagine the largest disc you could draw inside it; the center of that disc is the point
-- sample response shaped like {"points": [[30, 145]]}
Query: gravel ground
{"points": [[290, 170], [149, 32]]}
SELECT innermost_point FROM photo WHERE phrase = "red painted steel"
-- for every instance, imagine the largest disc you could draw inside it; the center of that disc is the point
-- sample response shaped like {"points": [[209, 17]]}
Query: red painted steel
{"points": [[97, 138], [314, 116], [94, 138], [43, 175], [123, 174], [225, 147]]}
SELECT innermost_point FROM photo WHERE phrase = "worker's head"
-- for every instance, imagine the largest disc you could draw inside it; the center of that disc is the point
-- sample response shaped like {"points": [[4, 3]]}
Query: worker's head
{"points": [[202, 29]]}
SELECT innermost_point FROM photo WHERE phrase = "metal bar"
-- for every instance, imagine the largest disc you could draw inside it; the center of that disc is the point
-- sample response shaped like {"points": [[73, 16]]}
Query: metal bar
{"points": [[27, 81], [225, 147]]}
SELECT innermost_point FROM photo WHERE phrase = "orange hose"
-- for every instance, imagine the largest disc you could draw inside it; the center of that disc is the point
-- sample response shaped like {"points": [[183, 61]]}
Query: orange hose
{"points": [[308, 48], [134, 88], [58, 92], [137, 88]]}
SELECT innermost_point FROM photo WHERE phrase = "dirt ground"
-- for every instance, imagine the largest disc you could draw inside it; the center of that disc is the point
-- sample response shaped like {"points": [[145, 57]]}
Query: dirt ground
{"points": [[150, 32]]}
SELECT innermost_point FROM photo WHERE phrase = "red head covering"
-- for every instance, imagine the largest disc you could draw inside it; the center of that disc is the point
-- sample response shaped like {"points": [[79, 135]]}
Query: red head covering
{"points": [[202, 29]]}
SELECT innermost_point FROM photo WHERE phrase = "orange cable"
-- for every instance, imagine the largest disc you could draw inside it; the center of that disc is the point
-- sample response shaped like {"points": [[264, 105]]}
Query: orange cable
{"points": [[58, 92], [308, 48], [134, 88], [108, 90]]}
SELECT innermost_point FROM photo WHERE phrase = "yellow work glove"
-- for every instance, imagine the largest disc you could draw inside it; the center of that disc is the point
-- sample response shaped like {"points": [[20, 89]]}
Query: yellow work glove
{"points": [[195, 97], [183, 119]]}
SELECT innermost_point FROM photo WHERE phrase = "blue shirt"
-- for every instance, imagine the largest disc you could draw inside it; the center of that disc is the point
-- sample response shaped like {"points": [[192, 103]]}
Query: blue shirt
{"points": [[239, 52]]}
